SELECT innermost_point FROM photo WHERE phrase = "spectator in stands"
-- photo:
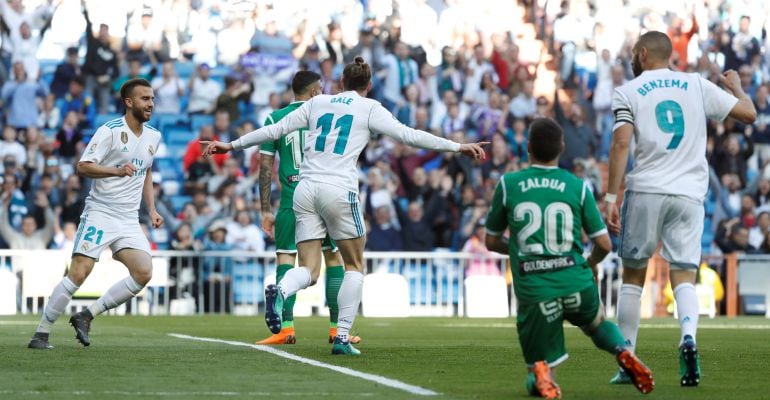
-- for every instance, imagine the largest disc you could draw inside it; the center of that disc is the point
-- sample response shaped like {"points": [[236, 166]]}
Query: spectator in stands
{"points": [[243, 234], [204, 91], [50, 115], [450, 77], [223, 128], [762, 195], [494, 166], [72, 197], [680, 40], [743, 44], [25, 46], [11, 146], [416, 229], [491, 119], [194, 151], [29, 238], [101, 64], [401, 71], [480, 264], [334, 46], [13, 16], [405, 112], [761, 128], [64, 236], [80, 102], [516, 137], [19, 98], [273, 104], [732, 158], [760, 230], [477, 67], [368, 47], [236, 91], [65, 72], [471, 217], [524, 104], [579, 137], [217, 270], [69, 138], [383, 236], [134, 71], [602, 101], [143, 38], [169, 89], [15, 203], [733, 237]]}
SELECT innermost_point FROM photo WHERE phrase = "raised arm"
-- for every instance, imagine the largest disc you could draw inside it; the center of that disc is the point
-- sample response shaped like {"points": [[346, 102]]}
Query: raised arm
{"points": [[717, 101]]}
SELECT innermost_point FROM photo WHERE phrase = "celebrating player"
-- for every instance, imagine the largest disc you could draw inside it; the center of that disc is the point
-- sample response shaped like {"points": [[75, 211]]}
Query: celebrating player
{"points": [[305, 85], [119, 160], [326, 198], [666, 112], [545, 208]]}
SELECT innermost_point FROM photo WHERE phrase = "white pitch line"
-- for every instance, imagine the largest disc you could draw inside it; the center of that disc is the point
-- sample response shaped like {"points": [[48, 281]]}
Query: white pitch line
{"points": [[343, 370]]}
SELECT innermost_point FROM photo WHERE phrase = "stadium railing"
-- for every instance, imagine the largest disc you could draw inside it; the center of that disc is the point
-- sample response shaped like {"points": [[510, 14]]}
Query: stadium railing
{"points": [[438, 283]]}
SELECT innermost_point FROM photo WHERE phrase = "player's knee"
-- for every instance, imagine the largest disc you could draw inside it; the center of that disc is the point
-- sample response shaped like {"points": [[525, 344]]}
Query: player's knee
{"points": [[77, 275], [314, 274], [142, 276]]}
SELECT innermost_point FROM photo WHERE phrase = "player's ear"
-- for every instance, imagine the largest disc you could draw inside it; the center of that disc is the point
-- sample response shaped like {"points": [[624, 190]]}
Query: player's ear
{"points": [[369, 87]]}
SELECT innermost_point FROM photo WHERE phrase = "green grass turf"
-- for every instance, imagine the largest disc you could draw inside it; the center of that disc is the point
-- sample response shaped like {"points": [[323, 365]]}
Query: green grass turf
{"points": [[134, 357]]}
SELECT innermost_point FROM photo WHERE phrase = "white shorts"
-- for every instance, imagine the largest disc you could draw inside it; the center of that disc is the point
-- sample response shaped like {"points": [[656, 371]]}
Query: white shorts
{"points": [[323, 208], [649, 218], [98, 230]]}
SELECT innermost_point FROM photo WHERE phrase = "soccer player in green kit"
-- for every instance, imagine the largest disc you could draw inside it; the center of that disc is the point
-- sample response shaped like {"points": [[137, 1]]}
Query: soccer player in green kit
{"points": [[545, 208], [305, 85]]}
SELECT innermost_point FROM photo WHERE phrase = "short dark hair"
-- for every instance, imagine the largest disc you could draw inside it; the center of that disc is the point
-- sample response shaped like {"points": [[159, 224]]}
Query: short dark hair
{"points": [[80, 80], [545, 139], [658, 45], [128, 88], [302, 81], [356, 75]]}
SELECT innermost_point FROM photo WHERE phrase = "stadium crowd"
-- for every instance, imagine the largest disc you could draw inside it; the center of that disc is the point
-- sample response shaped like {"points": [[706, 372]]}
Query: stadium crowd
{"points": [[466, 70]]}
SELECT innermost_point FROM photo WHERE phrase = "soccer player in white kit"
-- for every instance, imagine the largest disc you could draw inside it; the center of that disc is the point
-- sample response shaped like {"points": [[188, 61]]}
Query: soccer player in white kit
{"points": [[119, 159], [326, 198], [666, 113]]}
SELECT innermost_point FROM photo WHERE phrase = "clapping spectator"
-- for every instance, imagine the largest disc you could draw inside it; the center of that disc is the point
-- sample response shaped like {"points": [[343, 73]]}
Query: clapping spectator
{"points": [[80, 102], [50, 115], [101, 64], [69, 138], [65, 72]]}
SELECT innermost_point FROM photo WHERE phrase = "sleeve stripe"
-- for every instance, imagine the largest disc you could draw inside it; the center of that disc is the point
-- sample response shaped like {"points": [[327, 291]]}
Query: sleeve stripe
{"points": [[598, 233], [583, 195], [502, 187], [267, 152], [495, 233]]}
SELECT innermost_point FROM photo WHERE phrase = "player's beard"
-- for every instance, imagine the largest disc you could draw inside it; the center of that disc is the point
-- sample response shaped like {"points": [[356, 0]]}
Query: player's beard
{"points": [[636, 65], [138, 114]]}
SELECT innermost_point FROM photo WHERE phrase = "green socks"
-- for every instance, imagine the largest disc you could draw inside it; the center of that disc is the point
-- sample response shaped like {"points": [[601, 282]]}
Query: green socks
{"points": [[288, 304], [607, 337], [334, 276]]}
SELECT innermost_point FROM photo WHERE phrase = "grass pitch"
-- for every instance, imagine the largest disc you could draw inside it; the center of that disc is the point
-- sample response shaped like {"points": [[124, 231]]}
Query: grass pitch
{"points": [[132, 357]]}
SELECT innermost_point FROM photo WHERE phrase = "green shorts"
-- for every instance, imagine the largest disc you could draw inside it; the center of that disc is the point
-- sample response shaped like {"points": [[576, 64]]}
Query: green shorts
{"points": [[540, 325], [285, 228]]}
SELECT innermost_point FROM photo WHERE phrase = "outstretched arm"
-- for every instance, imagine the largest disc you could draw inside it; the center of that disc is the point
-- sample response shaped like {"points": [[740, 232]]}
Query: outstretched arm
{"points": [[382, 121]]}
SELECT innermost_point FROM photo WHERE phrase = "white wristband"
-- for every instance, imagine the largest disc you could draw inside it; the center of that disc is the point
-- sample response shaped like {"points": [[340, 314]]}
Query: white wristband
{"points": [[610, 198]]}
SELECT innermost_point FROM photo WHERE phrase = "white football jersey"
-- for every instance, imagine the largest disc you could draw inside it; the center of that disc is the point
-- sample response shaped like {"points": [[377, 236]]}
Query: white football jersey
{"points": [[668, 110], [114, 145], [339, 128]]}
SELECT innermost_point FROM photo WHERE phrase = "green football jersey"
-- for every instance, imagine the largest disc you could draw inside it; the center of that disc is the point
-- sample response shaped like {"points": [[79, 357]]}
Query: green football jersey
{"points": [[289, 149], [545, 209]]}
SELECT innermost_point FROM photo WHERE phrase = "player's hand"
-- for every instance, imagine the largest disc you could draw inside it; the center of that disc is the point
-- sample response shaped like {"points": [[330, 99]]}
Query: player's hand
{"points": [[731, 81], [214, 147], [613, 218], [157, 220], [475, 150], [127, 169], [268, 223]]}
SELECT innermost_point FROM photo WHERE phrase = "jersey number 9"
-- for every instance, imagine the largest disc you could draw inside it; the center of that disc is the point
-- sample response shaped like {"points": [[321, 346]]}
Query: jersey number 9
{"points": [[670, 120]]}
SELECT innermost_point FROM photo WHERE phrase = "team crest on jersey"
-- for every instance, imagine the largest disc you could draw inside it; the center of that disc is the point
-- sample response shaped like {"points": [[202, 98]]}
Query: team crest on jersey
{"points": [[92, 149], [124, 137], [151, 150], [84, 247]]}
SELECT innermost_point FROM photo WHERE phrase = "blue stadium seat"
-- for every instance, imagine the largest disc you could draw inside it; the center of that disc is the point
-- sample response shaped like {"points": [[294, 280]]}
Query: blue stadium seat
{"points": [[176, 150], [164, 121], [178, 201], [184, 69], [176, 135], [169, 168], [248, 281], [199, 120]]}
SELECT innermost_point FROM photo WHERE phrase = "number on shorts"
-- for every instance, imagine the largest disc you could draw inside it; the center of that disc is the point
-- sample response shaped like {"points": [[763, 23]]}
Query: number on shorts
{"points": [[343, 124], [670, 119], [90, 232], [559, 224]]}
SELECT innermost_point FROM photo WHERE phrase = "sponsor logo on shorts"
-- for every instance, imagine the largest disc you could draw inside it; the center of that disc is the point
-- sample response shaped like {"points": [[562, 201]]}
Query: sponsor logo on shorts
{"points": [[124, 137], [293, 178], [546, 265]]}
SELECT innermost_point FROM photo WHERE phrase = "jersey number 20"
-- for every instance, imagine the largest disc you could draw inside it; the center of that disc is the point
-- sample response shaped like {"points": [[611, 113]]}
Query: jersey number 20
{"points": [[670, 119], [325, 123], [556, 241]]}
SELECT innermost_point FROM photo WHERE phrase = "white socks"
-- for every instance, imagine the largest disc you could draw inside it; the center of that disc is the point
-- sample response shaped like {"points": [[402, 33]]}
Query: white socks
{"points": [[118, 294], [629, 312], [61, 296], [687, 309], [294, 280], [349, 299]]}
